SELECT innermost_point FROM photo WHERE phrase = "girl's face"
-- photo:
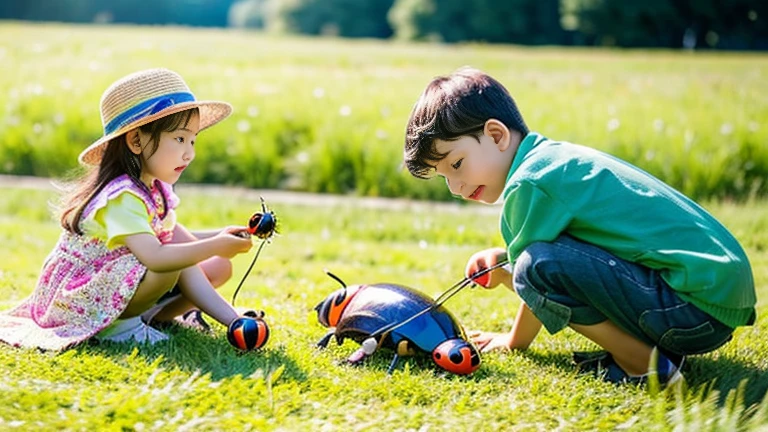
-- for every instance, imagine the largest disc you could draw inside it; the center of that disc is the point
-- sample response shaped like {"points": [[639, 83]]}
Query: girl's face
{"points": [[175, 151], [476, 171]]}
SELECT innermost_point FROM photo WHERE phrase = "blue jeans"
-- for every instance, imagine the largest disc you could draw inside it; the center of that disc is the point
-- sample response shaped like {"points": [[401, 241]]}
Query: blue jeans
{"points": [[569, 281]]}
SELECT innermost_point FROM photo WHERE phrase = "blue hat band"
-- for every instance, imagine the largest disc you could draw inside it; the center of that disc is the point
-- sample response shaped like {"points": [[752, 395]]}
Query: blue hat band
{"points": [[147, 108]]}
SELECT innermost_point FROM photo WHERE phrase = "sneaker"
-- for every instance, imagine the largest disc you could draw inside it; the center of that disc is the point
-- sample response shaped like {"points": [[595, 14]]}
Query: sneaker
{"points": [[191, 319], [602, 365], [123, 330]]}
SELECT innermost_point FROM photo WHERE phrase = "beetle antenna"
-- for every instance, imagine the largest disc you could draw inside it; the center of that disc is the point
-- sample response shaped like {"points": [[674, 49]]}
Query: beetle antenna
{"points": [[450, 292], [336, 278], [237, 290]]}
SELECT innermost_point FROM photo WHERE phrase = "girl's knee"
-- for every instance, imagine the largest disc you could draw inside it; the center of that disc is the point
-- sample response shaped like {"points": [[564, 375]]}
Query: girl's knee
{"points": [[218, 270]]}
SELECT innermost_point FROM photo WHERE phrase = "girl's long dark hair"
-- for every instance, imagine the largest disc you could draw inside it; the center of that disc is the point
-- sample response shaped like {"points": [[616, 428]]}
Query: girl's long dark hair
{"points": [[116, 161]]}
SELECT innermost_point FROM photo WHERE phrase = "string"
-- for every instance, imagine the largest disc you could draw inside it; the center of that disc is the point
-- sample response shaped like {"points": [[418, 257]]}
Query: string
{"points": [[234, 296]]}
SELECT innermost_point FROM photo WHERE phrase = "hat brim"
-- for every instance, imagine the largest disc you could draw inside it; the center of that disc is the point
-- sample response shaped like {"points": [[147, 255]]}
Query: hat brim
{"points": [[211, 112]]}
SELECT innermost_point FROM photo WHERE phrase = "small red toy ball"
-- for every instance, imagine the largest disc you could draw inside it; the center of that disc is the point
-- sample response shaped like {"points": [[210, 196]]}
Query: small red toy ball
{"points": [[247, 333]]}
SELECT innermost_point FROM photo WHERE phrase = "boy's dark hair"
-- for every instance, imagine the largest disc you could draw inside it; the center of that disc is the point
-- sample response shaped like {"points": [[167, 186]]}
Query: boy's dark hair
{"points": [[453, 106]]}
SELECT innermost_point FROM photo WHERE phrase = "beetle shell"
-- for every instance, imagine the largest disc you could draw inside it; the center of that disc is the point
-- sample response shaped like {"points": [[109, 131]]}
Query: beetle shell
{"points": [[262, 224], [358, 311]]}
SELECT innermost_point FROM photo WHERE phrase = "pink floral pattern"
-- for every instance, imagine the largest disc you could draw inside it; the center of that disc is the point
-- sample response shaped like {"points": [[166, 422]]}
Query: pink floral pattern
{"points": [[84, 286]]}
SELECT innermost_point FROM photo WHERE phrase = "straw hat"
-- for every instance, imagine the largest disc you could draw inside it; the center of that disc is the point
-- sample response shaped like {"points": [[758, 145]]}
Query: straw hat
{"points": [[143, 97]]}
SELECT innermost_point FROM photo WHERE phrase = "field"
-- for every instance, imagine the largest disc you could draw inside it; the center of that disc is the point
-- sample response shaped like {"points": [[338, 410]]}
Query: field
{"points": [[198, 382], [327, 116]]}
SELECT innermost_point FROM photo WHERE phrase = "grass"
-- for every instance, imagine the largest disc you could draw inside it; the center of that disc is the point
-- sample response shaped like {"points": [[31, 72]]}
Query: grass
{"points": [[198, 382], [308, 109]]}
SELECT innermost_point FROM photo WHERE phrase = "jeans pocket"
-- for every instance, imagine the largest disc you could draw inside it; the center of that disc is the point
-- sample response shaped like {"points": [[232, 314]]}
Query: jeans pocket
{"points": [[684, 329]]}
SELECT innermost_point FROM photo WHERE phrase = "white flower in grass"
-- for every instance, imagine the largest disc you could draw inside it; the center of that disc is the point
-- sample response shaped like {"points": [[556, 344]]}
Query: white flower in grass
{"points": [[423, 244], [460, 229], [65, 84], [726, 129], [302, 157], [58, 118], [318, 92], [688, 139], [649, 155], [253, 111], [94, 65], [2, 52], [753, 126], [613, 124], [382, 135], [13, 120], [35, 89], [385, 111], [37, 128], [243, 126], [345, 111], [658, 125]]}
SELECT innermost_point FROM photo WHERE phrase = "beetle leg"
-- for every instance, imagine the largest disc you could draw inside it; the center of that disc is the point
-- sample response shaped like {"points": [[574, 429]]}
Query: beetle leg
{"points": [[404, 348], [322, 343], [393, 364], [357, 357]]}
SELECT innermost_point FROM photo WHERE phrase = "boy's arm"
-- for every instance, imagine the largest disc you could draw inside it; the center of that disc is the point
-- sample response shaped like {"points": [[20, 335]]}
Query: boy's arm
{"points": [[523, 332], [525, 328]]}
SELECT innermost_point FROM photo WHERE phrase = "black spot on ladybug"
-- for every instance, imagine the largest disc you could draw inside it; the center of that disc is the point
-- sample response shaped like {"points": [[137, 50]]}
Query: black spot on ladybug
{"points": [[457, 358]]}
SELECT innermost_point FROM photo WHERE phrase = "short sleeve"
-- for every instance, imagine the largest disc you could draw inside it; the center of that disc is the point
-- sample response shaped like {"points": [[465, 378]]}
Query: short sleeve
{"points": [[123, 216]]}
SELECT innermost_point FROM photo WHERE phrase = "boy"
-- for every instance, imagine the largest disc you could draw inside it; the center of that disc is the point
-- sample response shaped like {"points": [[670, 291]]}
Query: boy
{"points": [[597, 244]]}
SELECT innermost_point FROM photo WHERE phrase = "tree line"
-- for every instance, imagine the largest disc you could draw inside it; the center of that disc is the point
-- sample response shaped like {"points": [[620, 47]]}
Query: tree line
{"points": [[709, 24]]}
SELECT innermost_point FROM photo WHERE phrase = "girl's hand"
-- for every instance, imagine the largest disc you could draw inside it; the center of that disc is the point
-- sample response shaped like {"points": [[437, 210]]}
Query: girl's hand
{"points": [[488, 341], [483, 260], [233, 240]]}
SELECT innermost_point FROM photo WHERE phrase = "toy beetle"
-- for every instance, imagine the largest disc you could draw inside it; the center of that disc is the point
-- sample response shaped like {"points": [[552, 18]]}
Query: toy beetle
{"points": [[398, 318], [248, 332], [262, 224]]}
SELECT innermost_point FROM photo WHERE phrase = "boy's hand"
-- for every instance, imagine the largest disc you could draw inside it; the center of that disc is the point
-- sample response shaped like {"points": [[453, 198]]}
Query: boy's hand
{"points": [[488, 341], [483, 260]]}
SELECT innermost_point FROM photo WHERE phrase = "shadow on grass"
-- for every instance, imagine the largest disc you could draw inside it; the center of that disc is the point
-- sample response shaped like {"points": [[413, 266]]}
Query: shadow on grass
{"points": [[723, 374], [190, 350]]}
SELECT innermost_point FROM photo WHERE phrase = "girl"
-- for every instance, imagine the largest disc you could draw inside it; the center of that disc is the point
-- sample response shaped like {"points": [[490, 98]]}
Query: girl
{"points": [[122, 260]]}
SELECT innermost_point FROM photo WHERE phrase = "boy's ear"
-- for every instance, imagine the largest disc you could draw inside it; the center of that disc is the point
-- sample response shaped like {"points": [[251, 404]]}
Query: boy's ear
{"points": [[133, 142], [499, 132]]}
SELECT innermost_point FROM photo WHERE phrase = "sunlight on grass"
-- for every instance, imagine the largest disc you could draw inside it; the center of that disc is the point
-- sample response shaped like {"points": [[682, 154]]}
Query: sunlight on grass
{"points": [[198, 382]]}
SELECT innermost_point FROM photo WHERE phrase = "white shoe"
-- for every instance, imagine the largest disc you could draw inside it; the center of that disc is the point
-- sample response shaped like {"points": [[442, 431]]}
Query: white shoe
{"points": [[123, 330]]}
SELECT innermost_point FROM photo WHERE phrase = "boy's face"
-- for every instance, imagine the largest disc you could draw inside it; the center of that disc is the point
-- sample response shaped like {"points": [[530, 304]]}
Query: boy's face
{"points": [[475, 170]]}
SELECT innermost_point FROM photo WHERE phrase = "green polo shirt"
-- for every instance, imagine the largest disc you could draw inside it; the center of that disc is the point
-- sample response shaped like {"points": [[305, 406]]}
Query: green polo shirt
{"points": [[558, 187]]}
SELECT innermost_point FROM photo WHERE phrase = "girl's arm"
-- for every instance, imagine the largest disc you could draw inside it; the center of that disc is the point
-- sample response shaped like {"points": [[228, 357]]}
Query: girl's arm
{"points": [[162, 258], [200, 235]]}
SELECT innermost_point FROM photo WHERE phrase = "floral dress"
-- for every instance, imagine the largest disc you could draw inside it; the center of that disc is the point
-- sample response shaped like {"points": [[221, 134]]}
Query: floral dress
{"points": [[84, 286]]}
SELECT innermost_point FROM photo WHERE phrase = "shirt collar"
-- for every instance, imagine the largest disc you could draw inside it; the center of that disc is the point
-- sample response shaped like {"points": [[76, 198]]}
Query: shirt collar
{"points": [[526, 145]]}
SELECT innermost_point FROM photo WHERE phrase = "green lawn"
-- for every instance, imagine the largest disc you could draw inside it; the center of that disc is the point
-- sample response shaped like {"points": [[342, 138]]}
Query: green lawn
{"points": [[198, 382], [328, 115]]}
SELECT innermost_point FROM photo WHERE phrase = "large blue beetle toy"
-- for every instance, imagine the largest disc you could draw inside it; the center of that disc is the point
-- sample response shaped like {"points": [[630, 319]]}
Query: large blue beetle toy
{"points": [[401, 319]]}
